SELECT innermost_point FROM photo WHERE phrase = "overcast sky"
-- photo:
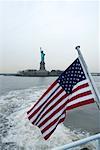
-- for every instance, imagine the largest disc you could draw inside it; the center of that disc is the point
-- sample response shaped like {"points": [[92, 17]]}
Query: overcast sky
{"points": [[56, 26]]}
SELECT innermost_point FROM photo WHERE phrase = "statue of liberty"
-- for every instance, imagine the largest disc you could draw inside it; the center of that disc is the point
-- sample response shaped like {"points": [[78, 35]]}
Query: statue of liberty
{"points": [[42, 55]]}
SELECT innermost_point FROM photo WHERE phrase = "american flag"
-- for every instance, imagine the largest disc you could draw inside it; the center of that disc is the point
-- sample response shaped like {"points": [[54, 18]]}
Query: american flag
{"points": [[72, 89]]}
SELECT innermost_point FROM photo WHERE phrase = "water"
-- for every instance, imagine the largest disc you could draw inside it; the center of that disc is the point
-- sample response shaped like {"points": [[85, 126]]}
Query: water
{"points": [[88, 116], [17, 95], [16, 83]]}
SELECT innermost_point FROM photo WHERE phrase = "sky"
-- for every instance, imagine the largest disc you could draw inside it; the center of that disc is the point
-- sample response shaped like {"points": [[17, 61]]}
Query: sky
{"points": [[56, 26]]}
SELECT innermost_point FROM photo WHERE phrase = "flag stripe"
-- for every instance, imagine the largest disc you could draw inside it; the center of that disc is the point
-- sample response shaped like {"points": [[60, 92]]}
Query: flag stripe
{"points": [[89, 101], [79, 96], [54, 107], [46, 131], [76, 92], [39, 110], [80, 99], [81, 87], [59, 115], [41, 98], [55, 113], [43, 102], [52, 103], [42, 126], [85, 81], [52, 123], [50, 131]]}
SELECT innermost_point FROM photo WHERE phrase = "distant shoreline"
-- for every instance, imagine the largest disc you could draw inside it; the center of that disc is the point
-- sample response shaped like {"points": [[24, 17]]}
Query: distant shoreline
{"points": [[38, 75]]}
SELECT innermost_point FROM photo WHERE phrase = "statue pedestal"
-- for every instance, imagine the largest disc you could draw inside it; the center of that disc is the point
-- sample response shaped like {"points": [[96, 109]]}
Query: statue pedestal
{"points": [[42, 72], [42, 65]]}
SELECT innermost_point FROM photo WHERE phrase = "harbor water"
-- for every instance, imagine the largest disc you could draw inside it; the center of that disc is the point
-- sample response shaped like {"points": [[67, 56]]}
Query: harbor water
{"points": [[18, 94]]}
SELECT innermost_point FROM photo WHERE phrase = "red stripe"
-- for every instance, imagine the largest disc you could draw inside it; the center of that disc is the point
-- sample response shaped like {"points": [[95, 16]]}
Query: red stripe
{"points": [[53, 114], [49, 134], [55, 96], [43, 106], [80, 87], [48, 90], [89, 101], [52, 123], [79, 96], [36, 111], [53, 106]]}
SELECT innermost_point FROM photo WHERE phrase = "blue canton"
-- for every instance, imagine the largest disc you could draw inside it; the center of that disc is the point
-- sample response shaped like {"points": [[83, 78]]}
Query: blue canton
{"points": [[71, 76]]}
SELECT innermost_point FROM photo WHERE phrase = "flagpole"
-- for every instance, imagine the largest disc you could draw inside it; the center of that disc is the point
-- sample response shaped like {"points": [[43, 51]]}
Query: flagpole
{"points": [[88, 74]]}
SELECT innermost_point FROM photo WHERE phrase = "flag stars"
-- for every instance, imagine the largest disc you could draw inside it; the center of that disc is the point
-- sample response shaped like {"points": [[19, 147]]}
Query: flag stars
{"points": [[83, 77], [74, 82], [77, 79], [64, 82], [71, 76], [68, 92], [81, 72]]}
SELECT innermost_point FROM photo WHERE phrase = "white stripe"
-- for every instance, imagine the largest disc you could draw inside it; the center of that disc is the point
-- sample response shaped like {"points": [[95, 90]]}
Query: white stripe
{"points": [[89, 88], [79, 92], [52, 119], [52, 111], [43, 99], [90, 80], [52, 103], [36, 114], [80, 83], [52, 127], [81, 99]]}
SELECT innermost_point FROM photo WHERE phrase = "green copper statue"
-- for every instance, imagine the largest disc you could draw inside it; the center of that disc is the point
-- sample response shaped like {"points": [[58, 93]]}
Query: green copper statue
{"points": [[42, 55]]}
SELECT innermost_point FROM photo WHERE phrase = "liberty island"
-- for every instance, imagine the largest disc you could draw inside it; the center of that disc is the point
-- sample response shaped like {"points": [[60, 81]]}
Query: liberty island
{"points": [[42, 72]]}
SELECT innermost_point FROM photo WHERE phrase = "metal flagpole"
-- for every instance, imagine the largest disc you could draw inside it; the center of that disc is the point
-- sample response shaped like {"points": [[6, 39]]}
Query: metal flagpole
{"points": [[89, 75]]}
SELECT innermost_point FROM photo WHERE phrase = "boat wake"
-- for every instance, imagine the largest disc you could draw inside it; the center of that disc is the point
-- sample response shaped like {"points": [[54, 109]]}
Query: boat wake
{"points": [[16, 132]]}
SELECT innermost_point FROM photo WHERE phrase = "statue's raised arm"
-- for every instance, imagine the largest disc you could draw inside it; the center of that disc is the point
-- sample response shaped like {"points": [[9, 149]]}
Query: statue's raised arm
{"points": [[42, 55]]}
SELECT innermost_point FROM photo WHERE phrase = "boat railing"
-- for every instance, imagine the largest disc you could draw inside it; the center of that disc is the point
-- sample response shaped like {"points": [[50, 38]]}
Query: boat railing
{"points": [[81, 142]]}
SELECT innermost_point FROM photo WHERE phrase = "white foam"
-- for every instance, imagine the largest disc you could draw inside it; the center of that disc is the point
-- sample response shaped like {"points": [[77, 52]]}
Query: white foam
{"points": [[22, 132]]}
